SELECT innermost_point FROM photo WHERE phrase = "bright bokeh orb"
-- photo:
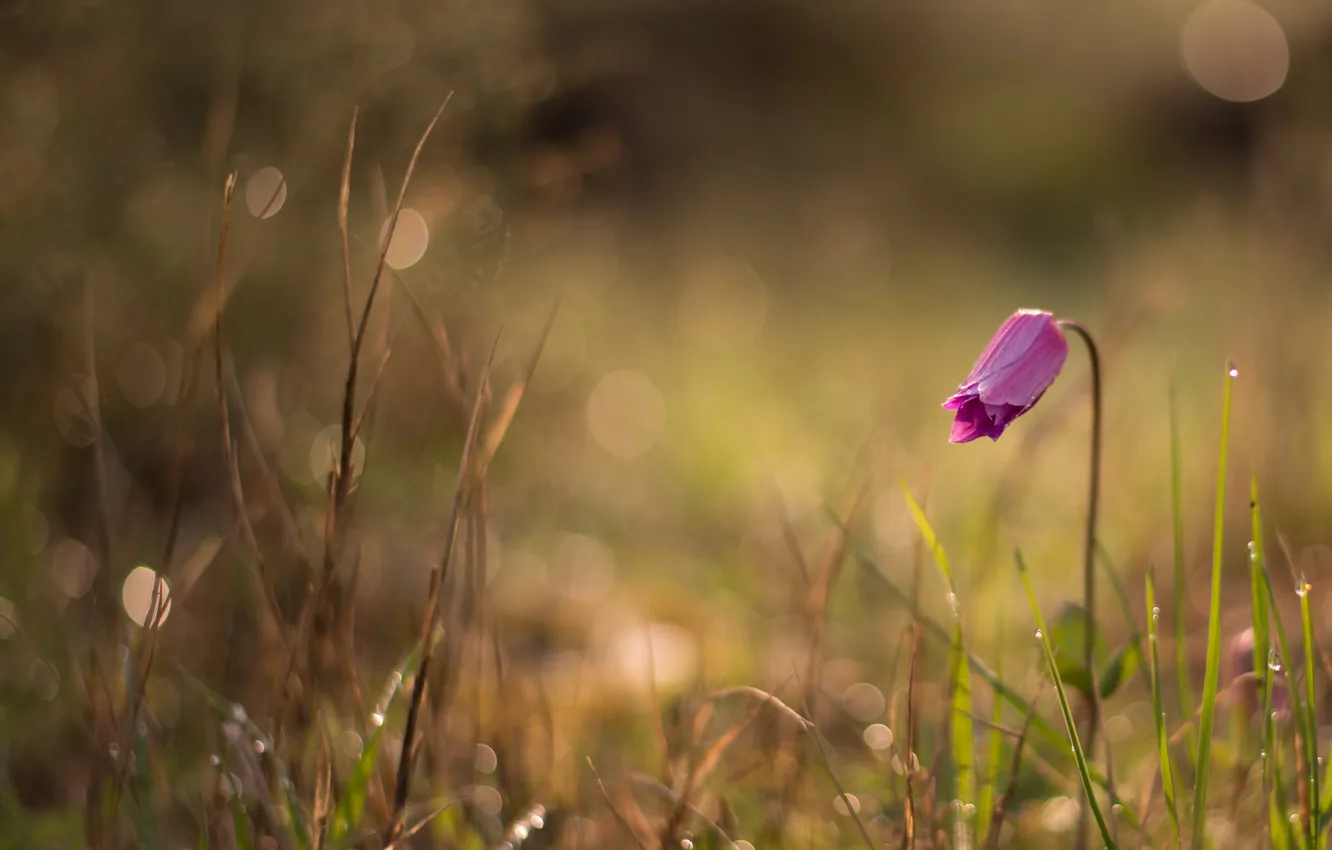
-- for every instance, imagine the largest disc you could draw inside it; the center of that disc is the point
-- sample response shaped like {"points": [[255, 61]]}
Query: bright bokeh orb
{"points": [[411, 237], [265, 192], [626, 414], [1235, 50], [136, 594]]}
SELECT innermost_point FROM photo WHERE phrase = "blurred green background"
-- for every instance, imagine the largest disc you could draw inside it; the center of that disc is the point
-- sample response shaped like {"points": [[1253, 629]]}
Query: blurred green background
{"points": [[778, 233]]}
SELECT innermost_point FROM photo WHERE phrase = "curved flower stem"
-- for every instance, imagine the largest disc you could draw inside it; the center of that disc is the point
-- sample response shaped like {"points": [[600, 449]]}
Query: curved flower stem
{"points": [[1089, 550]]}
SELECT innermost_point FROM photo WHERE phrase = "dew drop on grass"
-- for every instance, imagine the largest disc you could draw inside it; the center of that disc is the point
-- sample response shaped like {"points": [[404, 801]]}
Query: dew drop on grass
{"points": [[1253, 551], [1301, 586], [377, 719], [1274, 661], [1234, 373], [1039, 635], [259, 747], [214, 759]]}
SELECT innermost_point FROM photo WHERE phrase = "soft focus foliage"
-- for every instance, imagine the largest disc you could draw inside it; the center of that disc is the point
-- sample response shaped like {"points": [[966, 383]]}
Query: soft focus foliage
{"points": [[777, 234]]}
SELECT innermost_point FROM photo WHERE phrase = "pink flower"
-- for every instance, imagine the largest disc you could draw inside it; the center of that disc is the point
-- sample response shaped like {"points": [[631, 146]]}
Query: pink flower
{"points": [[1021, 361]]}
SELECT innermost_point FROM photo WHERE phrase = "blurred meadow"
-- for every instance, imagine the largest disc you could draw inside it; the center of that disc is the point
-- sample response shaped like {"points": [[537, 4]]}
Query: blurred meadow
{"points": [[721, 263]]}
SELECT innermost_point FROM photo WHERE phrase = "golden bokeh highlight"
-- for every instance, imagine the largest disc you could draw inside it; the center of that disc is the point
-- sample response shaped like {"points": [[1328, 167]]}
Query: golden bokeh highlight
{"points": [[326, 449], [265, 192], [137, 593], [411, 237], [626, 414], [73, 566], [1235, 50], [723, 305]]}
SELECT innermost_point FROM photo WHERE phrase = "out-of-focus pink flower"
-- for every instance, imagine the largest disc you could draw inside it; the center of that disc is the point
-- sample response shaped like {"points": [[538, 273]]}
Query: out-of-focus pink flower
{"points": [[1021, 361]]}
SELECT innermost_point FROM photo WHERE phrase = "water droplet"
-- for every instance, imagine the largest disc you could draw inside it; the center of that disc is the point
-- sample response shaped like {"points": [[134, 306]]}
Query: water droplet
{"points": [[214, 759], [953, 605], [1039, 635], [259, 747], [1253, 550], [377, 719], [1301, 586], [1234, 373], [686, 844], [114, 749], [238, 713], [1294, 817], [1274, 661]]}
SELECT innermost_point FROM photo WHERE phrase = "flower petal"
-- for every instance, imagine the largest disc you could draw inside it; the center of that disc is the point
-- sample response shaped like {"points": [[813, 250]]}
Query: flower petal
{"points": [[1019, 364]]}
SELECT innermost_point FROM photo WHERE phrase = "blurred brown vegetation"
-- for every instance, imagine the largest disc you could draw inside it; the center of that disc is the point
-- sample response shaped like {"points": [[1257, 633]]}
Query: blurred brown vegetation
{"points": [[776, 232]]}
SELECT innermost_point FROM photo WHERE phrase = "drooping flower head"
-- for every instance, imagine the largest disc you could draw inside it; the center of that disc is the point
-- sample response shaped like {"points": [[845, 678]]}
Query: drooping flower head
{"points": [[1021, 361]]}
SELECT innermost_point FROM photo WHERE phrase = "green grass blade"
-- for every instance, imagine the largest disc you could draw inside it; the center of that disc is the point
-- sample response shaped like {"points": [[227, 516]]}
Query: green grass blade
{"points": [[1162, 737], [1281, 664], [1039, 724], [931, 539], [961, 727], [1043, 636], [351, 805], [1262, 637], [990, 778], [240, 819], [962, 732], [1184, 685], [1111, 572], [1210, 679], [1312, 767]]}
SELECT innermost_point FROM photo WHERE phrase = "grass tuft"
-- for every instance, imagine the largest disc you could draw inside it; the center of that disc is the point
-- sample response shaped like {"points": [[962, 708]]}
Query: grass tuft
{"points": [[1211, 678], [1052, 664]]}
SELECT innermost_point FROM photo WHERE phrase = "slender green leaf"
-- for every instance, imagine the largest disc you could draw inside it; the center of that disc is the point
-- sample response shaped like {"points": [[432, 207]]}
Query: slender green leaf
{"points": [[1043, 727], [240, 819], [961, 727], [1125, 663], [1111, 571], [1162, 737], [1281, 664], [1184, 686], [1079, 756], [962, 732], [990, 777], [351, 805], [1212, 676], [1310, 733]]}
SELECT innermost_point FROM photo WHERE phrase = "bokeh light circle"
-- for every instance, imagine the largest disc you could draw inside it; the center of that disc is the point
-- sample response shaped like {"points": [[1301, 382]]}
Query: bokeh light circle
{"points": [[411, 237], [626, 414], [1235, 50], [265, 192], [136, 594]]}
